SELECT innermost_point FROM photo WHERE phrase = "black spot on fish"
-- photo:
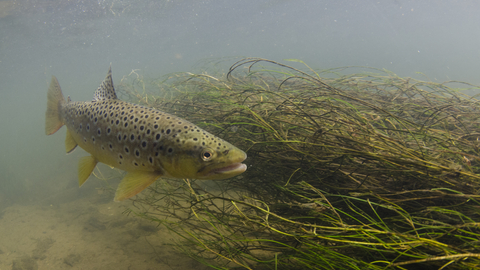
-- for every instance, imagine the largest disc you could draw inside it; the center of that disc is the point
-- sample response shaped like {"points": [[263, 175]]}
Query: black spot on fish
{"points": [[144, 144], [119, 137], [157, 137], [150, 159], [168, 131], [109, 130], [136, 120], [125, 137], [88, 127], [146, 116], [135, 163], [117, 122], [132, 137], [137, 152], [195, 139], [142, 127], [170, 150], [148, 131], [110, 146], [126, 124], [99, 131], [126, 150]]}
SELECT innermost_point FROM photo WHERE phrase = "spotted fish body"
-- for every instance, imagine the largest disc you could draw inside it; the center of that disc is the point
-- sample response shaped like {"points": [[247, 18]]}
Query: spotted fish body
{"points": [[145, 142]]}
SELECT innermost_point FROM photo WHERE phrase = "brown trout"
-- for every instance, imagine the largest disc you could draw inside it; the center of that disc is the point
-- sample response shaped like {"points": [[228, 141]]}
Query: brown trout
{"points": [[143, 141]]}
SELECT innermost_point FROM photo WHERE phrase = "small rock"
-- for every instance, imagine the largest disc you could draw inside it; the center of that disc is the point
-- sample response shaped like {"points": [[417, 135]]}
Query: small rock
{"points": [[93, 224], [72, 259], [24, 263]]}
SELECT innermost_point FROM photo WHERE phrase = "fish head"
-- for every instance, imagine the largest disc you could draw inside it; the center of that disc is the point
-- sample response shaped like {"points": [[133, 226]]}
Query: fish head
{"points": [[209, 163]]}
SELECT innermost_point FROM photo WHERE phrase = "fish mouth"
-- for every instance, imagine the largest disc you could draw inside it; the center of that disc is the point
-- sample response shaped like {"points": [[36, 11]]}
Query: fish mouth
{"points": [[233, 169]]}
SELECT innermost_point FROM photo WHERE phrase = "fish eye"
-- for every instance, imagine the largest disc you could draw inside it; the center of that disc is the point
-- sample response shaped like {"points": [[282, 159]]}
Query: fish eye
{"points": [[207, 155]]}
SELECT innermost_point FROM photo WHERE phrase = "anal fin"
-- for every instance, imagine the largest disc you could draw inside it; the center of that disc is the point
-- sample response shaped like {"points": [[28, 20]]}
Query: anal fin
{"points": [[85, 168], [70, 143], [133, 183]]}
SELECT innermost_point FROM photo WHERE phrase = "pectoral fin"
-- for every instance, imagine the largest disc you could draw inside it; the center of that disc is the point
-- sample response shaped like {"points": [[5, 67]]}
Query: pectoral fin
{"points": [[70, 143], [133, 183], [85, 168]]}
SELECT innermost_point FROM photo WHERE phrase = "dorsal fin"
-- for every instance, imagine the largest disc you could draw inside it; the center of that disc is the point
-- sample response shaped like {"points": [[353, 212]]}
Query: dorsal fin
{"points": [[105, 90]]}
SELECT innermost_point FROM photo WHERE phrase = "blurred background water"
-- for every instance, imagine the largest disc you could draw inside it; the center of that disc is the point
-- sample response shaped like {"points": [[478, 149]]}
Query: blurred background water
{"points": [[76, 41]]}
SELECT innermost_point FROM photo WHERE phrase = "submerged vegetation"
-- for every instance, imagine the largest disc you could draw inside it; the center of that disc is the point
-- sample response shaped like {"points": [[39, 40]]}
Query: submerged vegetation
{"points": [[360, 171]]}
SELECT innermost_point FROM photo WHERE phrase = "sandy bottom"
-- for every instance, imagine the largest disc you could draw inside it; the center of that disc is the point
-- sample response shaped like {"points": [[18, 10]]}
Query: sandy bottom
{"points": [[77, 232]]}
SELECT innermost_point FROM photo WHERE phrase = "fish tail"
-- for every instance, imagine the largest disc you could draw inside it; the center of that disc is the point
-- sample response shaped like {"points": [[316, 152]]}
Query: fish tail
{"points": [[55, 102]]}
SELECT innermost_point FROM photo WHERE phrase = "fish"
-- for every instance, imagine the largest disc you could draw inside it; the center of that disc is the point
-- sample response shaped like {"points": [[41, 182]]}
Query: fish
{"points": [[143, 141]]}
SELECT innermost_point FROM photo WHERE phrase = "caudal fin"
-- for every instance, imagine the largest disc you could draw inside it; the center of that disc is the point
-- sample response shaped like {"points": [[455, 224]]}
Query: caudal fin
{"points": [[55, 101]]}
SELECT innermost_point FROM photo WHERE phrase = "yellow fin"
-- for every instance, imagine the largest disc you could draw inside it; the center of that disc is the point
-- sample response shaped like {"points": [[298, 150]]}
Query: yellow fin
{"points": [[133, 183], [70, 143], [55, 100], [85, 168]]}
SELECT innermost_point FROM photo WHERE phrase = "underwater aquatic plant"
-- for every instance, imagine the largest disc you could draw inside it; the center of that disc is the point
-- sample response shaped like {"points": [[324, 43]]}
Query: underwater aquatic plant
{"points": [[366, 170]]}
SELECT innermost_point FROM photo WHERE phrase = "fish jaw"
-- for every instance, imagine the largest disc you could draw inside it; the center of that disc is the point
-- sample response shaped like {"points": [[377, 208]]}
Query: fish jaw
{"points": [[224, 167], [226, 172], [192, 164]]}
